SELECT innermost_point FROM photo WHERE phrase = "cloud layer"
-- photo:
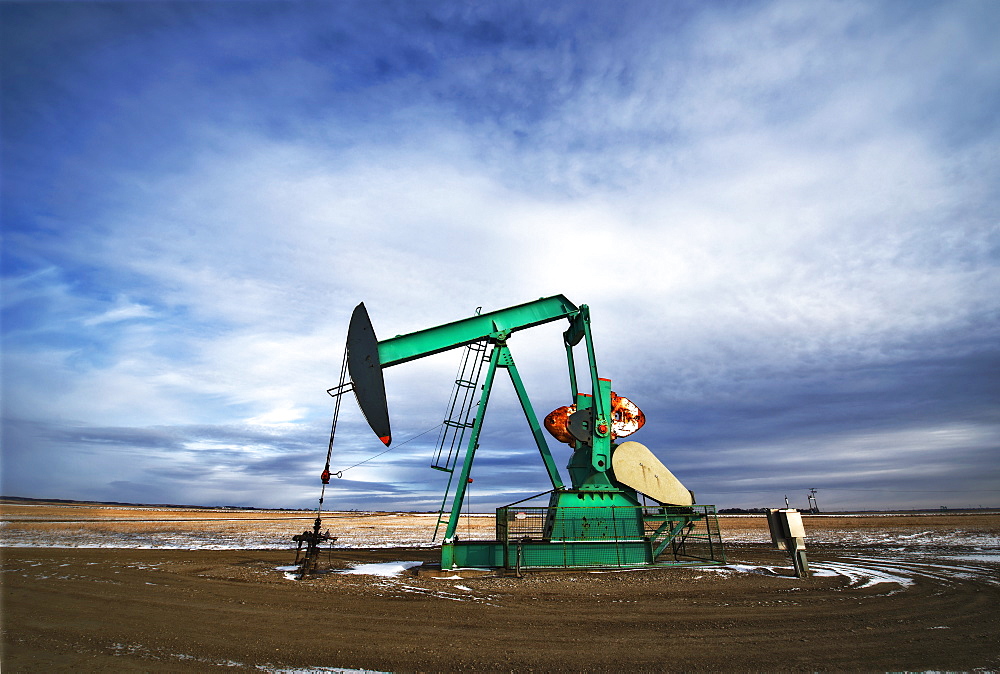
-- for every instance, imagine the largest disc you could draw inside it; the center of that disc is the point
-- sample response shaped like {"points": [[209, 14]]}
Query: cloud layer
{"points": [[783, 217]]}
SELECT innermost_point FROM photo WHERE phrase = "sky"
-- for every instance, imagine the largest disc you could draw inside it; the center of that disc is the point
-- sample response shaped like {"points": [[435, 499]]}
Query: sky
{"points": [[784, 217]]}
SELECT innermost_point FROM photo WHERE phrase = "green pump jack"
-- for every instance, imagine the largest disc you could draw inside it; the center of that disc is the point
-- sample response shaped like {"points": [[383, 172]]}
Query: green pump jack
{"points": [[623, 508]]}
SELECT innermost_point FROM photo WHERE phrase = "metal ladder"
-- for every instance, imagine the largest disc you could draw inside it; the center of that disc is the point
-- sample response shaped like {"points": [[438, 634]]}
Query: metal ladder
{"points": [[457, 416]]}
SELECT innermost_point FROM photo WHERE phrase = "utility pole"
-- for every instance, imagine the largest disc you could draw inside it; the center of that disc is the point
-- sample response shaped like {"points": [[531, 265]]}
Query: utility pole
{"points": [[813, 505]]}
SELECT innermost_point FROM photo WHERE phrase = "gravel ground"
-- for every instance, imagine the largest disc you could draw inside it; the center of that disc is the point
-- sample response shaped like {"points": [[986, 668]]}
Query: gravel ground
{"points": [[889, 594]]}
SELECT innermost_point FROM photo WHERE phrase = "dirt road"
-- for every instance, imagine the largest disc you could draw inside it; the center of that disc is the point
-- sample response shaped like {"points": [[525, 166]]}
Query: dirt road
{"points": [[869, 608]]}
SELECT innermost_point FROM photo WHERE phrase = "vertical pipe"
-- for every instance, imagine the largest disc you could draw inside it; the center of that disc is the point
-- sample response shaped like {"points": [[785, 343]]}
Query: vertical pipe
{"points": [[573, 390], [711, 538], [600, 410]]}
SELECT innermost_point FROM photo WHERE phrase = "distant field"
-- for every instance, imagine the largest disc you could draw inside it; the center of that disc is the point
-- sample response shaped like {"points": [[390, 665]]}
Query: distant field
{"points": [[90, 525]]}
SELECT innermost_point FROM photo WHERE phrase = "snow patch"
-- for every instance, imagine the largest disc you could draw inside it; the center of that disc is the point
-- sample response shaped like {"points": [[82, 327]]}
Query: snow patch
{"points": [[384, 569]]}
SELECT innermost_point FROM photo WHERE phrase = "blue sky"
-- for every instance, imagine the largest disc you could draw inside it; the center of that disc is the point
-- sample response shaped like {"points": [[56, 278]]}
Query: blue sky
{"points": [[783, 215]]}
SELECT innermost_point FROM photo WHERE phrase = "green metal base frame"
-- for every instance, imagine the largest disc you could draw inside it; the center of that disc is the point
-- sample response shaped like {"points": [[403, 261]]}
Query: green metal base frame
{"points": [[599, 529]]}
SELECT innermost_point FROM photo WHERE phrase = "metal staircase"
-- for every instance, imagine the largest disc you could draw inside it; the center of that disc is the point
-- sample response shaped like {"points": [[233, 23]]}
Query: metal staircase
{"points": [[688, 533]]}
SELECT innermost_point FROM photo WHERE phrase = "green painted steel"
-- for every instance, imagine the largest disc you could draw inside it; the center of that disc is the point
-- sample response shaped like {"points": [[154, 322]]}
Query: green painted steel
{"points": [[404, 348], [475, 554], [470, 452], [602, 403], [678, 525], [614, 533], [589, 464], [500, 357], [600, 444], [598, 522]]}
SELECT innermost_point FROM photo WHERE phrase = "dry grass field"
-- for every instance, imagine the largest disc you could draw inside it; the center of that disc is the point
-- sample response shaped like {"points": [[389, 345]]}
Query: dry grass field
{"points": [[131, 588]]}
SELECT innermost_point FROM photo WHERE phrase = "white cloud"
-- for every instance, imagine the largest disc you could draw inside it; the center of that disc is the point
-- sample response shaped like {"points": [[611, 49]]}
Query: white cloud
{"points": [[124, 310], [753, 195]]}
